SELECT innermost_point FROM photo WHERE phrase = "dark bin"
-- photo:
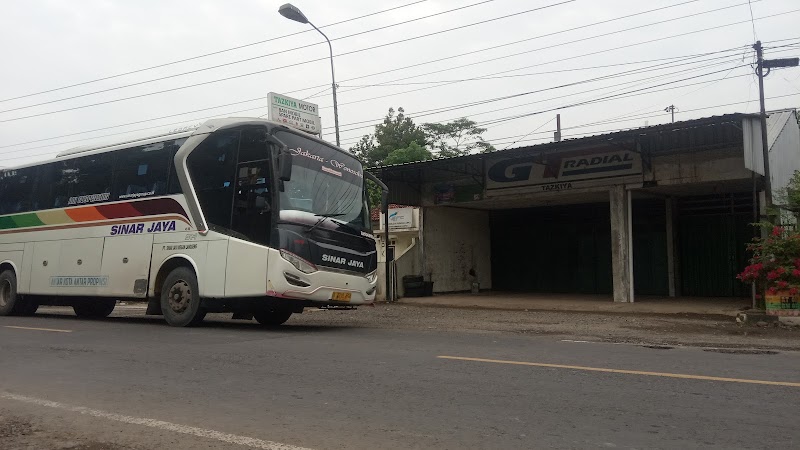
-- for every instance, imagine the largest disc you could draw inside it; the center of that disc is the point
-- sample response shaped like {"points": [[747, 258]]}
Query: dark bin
{"points": [[413, 286], [428, 288]]}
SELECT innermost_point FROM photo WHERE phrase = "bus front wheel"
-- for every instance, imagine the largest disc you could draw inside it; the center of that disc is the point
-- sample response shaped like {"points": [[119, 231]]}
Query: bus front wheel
{"points": [[94, 308], [180, 299], [271, 317]]}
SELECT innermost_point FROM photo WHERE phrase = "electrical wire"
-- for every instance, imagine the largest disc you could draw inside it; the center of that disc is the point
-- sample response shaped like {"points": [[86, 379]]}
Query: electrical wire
{"points": [[517, 95], [326, 88], [238, 47], [203, 69]]}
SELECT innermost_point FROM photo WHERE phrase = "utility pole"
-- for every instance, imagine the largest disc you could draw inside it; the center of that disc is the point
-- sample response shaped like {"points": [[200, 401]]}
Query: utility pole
{"points": [[768, 64], [671, 109], [764, 140], [557, 134]]}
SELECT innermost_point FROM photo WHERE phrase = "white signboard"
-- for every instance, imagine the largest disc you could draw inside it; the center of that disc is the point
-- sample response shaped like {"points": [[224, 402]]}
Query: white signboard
{"points": [[294, 113], [401, 218]]}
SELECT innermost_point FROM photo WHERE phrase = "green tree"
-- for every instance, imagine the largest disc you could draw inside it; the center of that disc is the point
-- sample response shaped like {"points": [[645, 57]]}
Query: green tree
{"points": [[396, 140], [397, 131], [457, 138], [414, 152]]}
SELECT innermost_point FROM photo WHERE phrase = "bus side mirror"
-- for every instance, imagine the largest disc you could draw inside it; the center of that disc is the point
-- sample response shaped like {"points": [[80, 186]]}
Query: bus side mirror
{"points": [[285, 166]]}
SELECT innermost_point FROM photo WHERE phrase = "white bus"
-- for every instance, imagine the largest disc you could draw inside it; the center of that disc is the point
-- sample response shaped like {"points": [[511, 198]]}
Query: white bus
{"points": [[238, 215]]}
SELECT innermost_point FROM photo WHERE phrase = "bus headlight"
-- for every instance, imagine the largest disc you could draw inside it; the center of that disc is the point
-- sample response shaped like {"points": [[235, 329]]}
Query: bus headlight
{"points": [[372, 276], [299, 263]]}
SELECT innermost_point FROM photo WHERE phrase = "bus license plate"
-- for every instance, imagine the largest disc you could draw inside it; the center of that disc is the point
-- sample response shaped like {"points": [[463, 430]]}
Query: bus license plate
{"points": [[341, 296]]}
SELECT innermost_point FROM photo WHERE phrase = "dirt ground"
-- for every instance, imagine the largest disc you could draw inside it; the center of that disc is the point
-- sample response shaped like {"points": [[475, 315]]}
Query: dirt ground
{"points": [[30, 433], [672, 329]]}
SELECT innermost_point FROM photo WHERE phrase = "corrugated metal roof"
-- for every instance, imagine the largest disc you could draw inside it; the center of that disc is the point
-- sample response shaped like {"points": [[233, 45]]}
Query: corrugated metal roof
{"points": [[630, 132]]}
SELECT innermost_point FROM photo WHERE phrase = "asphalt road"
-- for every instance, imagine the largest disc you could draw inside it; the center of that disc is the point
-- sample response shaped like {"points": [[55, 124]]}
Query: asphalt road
{"points": [[135, 383]]}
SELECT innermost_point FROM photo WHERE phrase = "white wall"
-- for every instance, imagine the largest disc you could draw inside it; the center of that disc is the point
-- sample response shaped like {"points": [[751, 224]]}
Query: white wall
{"points": [[455, 241], [784, 153], [699, 167]]}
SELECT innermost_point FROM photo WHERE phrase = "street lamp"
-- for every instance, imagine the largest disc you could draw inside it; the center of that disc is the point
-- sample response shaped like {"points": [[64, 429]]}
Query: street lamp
{"points": [[291, 12]]}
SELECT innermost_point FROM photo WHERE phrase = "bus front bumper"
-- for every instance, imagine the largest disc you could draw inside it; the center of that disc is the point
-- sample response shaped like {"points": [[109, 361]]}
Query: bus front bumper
{"points": [[323, 287]]}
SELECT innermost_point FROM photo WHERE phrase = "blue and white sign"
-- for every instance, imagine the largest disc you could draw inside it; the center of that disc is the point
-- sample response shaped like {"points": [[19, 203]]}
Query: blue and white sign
{"points": [[401, 218]]}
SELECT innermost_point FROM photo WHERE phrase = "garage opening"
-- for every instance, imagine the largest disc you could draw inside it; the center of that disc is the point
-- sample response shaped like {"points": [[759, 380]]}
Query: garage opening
{"points": [[555, 249], [713, 234]]}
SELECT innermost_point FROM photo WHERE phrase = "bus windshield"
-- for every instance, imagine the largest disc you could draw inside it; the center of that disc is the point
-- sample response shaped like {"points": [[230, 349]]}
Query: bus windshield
{"points": [[326, 183]]}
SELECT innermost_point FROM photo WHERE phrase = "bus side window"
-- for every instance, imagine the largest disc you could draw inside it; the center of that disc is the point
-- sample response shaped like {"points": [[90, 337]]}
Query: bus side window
{"points": [[94, 177], [44, 187], [82, 180], [16, 190], [141, 172]]}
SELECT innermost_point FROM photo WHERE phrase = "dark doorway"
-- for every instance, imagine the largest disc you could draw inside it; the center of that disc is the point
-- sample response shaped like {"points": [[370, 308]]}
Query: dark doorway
{"points": [[713, 234], [560, 249]]}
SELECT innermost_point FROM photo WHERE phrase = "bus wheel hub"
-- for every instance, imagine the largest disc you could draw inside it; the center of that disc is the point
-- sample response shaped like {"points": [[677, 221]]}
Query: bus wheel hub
{"points": [[179, 296], [5, 293]]}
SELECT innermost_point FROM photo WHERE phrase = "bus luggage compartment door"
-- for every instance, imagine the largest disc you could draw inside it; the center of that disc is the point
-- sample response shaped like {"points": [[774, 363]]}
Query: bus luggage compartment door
{"points": [[126, 259]]}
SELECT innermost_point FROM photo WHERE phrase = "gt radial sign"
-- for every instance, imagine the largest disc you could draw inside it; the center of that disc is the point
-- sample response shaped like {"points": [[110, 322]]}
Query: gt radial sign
{"points": [[558, 171], [294, 113]]}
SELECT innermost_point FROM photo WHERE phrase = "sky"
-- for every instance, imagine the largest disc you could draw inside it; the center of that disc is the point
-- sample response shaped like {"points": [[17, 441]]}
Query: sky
{"points": [[103, 71]]}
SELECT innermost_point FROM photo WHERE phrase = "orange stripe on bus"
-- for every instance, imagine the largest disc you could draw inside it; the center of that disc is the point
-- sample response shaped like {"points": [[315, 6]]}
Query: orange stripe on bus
{"points": [[85, 214]]}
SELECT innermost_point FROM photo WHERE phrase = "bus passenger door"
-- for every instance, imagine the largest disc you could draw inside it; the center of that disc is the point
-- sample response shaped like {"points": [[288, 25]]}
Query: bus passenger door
{"points": [[126, 263]]}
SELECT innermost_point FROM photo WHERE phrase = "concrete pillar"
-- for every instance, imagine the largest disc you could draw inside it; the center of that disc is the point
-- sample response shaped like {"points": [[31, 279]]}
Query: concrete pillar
{"points": [[621, 244], [670, 222]]}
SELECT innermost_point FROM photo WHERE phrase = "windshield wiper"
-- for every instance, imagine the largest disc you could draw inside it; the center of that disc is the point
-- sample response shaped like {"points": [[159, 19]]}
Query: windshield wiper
{"points": [[322, 218]]}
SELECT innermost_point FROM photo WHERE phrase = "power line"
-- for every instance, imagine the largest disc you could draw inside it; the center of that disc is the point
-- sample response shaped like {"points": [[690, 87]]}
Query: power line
{"points": [[586, 54], [495, 99], [281, 67], [533, 131], [211, 53], [129, 123], [244, 101], [358, 51], [633, 71], [573, 127], [549, 72], [624, 30], [752, 21], [499, 140], [450, 57], [326, 87], [632, 93], [233, 112], [117, 134], [406, 67], [608, 97], [202, 69]]}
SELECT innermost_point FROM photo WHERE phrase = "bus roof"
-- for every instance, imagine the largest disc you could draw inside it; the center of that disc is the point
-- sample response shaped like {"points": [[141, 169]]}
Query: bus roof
{"points": [[206, 127]]}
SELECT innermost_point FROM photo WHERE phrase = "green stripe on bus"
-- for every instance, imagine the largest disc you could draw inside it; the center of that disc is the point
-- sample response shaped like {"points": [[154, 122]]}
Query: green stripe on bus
{"points": [[27, 220], [6, 223]]}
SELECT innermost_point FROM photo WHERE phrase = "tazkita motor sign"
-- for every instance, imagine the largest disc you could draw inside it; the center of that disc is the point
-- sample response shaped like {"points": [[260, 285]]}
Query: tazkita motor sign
{"points": [[558, 171], [294, 113]]}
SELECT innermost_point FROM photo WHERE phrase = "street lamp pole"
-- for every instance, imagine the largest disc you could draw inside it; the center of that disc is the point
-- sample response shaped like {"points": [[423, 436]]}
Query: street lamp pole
{"points": [[291, 12]]}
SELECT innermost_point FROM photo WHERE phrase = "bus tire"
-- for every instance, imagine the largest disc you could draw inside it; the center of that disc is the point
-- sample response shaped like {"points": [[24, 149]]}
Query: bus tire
{"points": [[271, 317], [91, 308], [180, 299], [8, 292]]}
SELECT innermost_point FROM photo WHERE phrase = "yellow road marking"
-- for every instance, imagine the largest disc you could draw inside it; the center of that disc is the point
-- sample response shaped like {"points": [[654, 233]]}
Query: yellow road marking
{"points": [[38, 329], [629, 372]]}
